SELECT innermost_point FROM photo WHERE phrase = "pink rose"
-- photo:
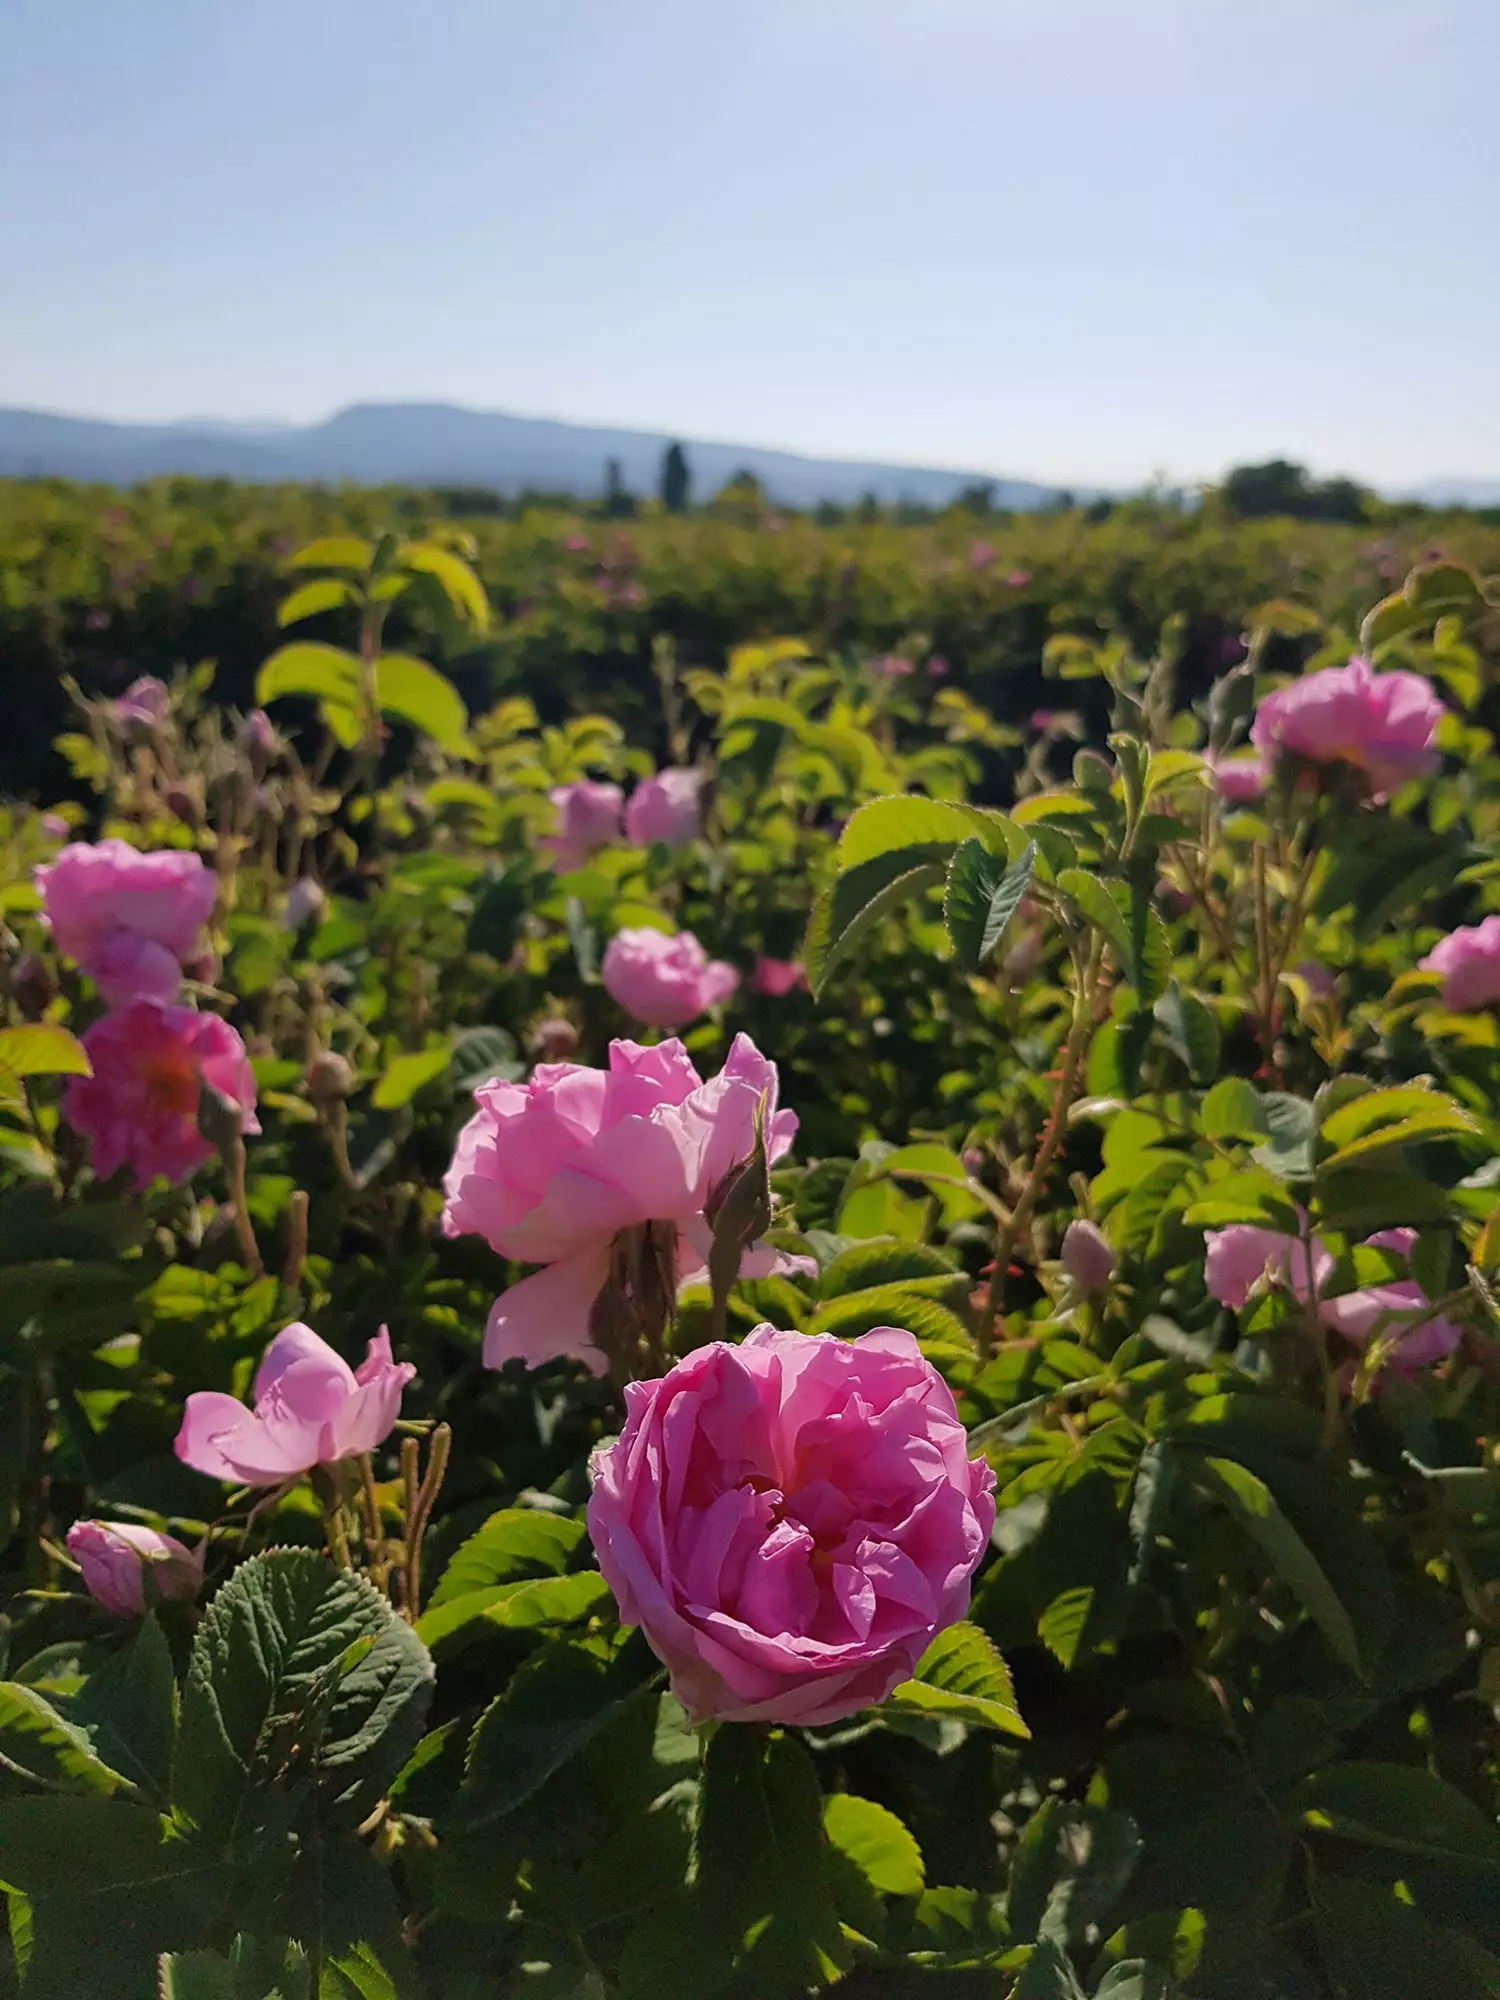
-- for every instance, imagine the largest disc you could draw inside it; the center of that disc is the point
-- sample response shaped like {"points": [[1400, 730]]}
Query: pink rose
{"points": [[892, 667], [1239, 1257], [1383, 724], [576, 544], [791, 1521], [258, 736], [553, 1170], [981, 555], [105, 904], [1019, 578], [311, 1408], [140, 1107], [664, 808], [588, 818], [1240, 780], [145, 701], [664, 981], [1361, 1316], [114, 1557], [1468, 962], [1086, 1255], [776, 977]]}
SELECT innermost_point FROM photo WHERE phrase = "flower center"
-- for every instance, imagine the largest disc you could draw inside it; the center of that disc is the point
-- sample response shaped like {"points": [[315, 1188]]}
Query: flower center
{"points": [[171, 1086]]}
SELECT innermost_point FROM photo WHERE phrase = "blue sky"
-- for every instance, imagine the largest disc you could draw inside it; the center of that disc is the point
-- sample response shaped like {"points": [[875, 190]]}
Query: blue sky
{"points": [[1077, 239]]}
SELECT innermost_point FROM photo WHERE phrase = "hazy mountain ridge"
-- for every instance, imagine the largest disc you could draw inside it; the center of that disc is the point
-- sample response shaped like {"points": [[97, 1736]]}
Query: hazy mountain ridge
{"points": [[443, 444]]}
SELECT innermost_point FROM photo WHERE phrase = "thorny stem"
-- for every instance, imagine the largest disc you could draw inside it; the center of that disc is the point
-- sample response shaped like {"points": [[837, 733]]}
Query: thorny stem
{"points": [[234, 1166], [1067, 1085], [411, 1576], [437, 1464]]}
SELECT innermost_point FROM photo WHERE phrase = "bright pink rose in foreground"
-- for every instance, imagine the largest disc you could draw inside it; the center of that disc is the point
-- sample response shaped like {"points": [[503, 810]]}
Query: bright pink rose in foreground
{"points": [[114, 1557], [552, 1170], [776, 977], [662, 981], [588, 818], [1240, 780], [1468, 962], [791, 1521], [1383, 724], [311, 1408], [140, 1107], [144, 701], [129, 919], [665, 808], [1241, 1257]]}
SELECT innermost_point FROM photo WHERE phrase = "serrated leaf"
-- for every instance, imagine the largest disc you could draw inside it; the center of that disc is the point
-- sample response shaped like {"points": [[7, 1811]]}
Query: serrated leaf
{"points": [[1254, 1506], [1402, 1807], [419, 694], [41, 1745], [858, 900], [881, 1261], [881, 1846], [1190, 1031], [983, 895], [963, 1676], [902, 1305], [516, 1607], [1232, 1110], [885, 826]]}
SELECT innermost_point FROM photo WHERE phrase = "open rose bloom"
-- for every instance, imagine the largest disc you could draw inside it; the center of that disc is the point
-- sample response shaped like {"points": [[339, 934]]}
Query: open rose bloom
{"points": [[1468, 963], [129, 919], [114, 1557], [139, 1109], [664, 982], [665, 808], [554, 1170], [588, 818], [791, 1521], [311, 1408], [1381, 724], [1242, 1259]]}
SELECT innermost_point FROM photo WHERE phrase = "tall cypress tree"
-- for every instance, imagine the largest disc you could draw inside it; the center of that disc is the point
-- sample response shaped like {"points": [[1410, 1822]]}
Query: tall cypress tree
{"points": [[676, 479]]}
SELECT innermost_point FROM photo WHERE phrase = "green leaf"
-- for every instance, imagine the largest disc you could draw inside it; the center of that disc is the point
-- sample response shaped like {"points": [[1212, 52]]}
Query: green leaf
{"points": [[1292, 1122], [327, 673], [884, 826], [324, 593], [463, 589], [301, 1676], [1254, 1506], [1253, 1196], [963, 1676], [128, 1709], [882, 1260], [499, 909], [253, 1969], [1190, 1031], [880, 1846], [1402, 1807], [42, 1049], [404, 1076], [1232, 1110], [1047, 1975], [858, 900], [900, 1305], [984, 893], [1394, 1117], [1360, 1200], [552, 1707], [1070, 1867], [1131, 925], [937, 1168], [43, 1747], [481, 1054], [419, 694], [525, 1606], [1376, 1947], [1133, 1979], [334, 552]]}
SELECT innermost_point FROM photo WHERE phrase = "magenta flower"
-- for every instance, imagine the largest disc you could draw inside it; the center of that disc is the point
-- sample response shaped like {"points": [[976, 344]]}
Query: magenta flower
{"points": [[145, 702], [937, 668], [588, 818], [576, 544], [1468, 962], [665, 808], [114, 1557], [1086, 1255], [1018, 579], [1362, 1315], [551, 1171], [776, 977], [1240, 780], [1382, 724], [981, 555], [791, 1521], [311, 1408], [130, 919], [139, 1109], [662, 981]]}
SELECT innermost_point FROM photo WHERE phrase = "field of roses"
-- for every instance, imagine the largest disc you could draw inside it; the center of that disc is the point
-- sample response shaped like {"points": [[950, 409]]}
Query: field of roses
{"points": [[772, 1333]]}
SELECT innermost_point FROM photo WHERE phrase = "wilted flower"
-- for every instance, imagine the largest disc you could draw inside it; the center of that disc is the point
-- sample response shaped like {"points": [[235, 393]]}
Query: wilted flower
{"points": [[588, 818], [1381, 723], [1086, 1255], [114, 1557], [791, 1521], [140, 1107], [664, 981], [1468, 962], [311, 1408], [552, 1171], [129, 919], [665, 808]]}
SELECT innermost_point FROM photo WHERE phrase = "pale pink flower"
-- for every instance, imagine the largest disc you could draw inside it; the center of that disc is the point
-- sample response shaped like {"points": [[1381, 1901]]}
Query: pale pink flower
{"points": [[588, 818], [139, 1109], [1468, 962], [144, 702], [665, 808], [1086, 1255], [1381, 723], [114, 1557], [1240, 780], [576, 544], [791, 1521], [551, 1171], [130, 919], [1240, 1257], [1018, 579], [776, 977], [311, 1408], [892, 667], [981, 555], [662, 981]]}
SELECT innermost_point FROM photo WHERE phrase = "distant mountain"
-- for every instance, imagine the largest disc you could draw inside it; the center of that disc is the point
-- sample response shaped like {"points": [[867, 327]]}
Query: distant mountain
{"points": [[440, 444], [1458, 493]]}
